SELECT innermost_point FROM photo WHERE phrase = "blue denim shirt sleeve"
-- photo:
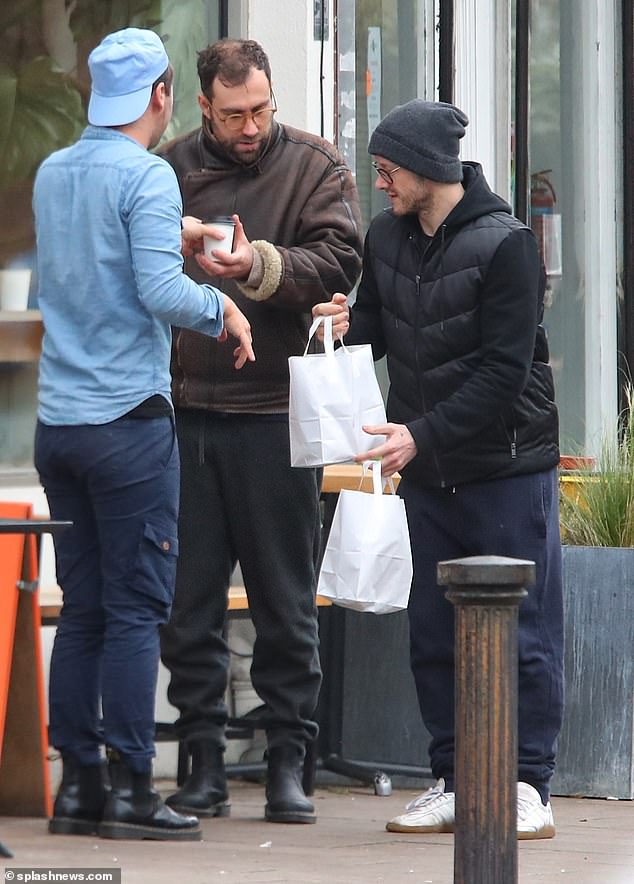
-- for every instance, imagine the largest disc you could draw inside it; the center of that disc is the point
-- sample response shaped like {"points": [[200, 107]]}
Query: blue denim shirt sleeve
{"points": [[153, 209], [110, 278]]}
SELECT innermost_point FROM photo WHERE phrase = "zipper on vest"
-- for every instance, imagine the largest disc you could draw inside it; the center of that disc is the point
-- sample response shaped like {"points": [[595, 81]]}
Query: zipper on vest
{"points": [[442, 275], [512, 437]]}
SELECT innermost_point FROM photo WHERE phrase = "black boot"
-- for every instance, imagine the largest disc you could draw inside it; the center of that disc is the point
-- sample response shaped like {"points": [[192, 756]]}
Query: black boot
{"points": [[205, 790], [135, 810], [80, 799], [285, 798]]}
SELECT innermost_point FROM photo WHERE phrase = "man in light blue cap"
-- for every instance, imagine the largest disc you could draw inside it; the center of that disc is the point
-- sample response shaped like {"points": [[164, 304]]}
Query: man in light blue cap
{"points": [[111, 284], [123, 69]]}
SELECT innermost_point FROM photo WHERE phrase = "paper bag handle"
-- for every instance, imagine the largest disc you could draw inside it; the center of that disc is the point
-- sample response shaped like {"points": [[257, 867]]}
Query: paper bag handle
{"points": [[329, 346], [328, 342], [378, 482]]}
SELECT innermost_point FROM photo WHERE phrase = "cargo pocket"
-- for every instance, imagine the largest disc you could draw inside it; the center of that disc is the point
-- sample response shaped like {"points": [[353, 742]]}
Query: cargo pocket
{"points": [[155, 571]]}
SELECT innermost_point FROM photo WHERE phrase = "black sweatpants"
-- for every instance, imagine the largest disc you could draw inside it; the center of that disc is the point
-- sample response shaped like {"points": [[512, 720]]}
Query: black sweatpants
{"points": [[241, 500]]}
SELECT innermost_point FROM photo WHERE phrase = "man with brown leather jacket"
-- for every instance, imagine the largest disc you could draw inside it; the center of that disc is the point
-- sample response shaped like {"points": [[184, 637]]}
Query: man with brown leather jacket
{"points": [[297, 240]]}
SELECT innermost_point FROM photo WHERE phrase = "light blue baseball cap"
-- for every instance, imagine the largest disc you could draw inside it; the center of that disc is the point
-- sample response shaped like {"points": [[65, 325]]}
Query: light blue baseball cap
{"points": [[123, 68]]}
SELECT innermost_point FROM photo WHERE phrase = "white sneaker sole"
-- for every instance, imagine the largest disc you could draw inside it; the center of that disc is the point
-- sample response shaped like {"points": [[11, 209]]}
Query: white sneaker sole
{"points": [[448, 829], [438, 828], [545, 832]]}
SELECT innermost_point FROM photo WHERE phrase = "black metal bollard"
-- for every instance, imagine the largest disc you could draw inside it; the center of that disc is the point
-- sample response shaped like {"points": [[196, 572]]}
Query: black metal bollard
{"points": [[486, 592]]}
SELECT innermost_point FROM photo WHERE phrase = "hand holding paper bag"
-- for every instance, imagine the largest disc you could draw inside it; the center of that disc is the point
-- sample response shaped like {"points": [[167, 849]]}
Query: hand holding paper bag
{"points": [[367, 564], [332, 395]]}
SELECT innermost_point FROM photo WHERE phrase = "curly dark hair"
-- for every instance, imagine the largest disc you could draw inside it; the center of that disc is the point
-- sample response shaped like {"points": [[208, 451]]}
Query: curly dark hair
{"points": [[231, 61]]}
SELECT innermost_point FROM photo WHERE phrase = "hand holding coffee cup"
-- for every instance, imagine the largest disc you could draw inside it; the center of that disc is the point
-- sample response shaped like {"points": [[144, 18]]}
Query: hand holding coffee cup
{"points": [[224, 225], [234, 263]]}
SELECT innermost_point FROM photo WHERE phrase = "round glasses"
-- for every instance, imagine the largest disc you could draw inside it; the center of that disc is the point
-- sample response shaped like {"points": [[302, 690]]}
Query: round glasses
{"points": [[384, 174], [237, 122]]}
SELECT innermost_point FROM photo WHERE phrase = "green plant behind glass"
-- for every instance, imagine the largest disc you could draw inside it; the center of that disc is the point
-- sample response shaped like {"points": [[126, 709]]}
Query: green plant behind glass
{"points": [[602, 514], [43, 107]]}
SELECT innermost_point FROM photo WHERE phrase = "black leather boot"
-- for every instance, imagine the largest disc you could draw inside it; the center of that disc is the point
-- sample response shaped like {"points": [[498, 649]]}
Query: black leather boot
{"points": [[135, 810], [205, 790], [80, 799], [285, 798]]}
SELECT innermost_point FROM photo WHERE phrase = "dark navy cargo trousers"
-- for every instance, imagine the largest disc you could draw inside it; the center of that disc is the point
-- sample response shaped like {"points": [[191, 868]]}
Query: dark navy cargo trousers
{"points": [[118, 484], [517, 517]]}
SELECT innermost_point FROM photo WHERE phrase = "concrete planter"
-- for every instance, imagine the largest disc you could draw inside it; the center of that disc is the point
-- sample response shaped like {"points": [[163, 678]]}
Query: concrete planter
{"points": [[369, 686], [596, 748]]}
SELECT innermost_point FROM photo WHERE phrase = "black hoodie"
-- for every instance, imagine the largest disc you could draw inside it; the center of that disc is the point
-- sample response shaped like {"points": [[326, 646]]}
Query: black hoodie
{"points": [[459, 317]]}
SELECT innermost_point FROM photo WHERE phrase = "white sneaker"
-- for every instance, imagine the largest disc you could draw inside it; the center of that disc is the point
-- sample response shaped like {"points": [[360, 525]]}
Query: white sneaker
{"points": [[433, 811], [534, 820]]}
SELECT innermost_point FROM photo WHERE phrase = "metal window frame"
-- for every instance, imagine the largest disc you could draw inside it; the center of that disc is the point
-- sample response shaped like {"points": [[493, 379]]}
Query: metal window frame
{"points": [[223, 18], [522, 72], [627, 319], [446, 50]]}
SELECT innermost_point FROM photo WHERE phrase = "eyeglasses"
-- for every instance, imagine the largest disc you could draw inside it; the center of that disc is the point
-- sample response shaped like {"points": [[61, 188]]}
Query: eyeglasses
{"points": [[385, 175], [237, 122]]}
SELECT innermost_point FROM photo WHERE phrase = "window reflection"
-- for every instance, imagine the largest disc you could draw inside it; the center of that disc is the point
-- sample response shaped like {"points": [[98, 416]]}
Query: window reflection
{"points": [[379, 59], [551, 215], [44, 86], [44, 91], [387, 59]]}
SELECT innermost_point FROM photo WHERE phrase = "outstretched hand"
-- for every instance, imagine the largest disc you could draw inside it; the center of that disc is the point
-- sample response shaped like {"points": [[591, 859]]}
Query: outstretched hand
{"points": [[192, 233], [237, 325]]}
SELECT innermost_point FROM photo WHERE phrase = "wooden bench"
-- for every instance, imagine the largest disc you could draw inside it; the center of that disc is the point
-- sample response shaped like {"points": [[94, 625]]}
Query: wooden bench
{"points": [[51, 602], [336, 478]]}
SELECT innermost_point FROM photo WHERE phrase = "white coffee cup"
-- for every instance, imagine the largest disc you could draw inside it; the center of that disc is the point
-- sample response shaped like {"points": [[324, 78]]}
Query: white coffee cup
{"points": [[14, 289], [225, 225]]}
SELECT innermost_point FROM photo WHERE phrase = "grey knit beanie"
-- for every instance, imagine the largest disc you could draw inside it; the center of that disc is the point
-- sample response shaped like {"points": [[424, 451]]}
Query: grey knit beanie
{"points": [[424, 137]]}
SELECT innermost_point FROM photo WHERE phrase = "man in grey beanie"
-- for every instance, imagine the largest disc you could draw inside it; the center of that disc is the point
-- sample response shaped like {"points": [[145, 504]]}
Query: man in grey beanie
{"points": [[452, 293], [424, 137]]}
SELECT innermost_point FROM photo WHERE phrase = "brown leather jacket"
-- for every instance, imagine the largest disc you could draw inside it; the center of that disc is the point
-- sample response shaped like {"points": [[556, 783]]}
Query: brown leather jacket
{"points": [[300, 208]]}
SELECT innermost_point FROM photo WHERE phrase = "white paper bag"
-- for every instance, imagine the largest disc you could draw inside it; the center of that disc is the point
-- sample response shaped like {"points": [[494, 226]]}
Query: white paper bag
{"points": [[332, 395], [367, 564]]}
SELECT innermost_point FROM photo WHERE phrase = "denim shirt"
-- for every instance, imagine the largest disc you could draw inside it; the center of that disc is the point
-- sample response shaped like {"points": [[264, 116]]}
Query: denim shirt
{"points": [[111, 281]]}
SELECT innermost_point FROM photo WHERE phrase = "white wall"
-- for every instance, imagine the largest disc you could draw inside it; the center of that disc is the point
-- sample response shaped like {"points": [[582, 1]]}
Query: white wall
{"points": [[285, 31], [482, 86]]}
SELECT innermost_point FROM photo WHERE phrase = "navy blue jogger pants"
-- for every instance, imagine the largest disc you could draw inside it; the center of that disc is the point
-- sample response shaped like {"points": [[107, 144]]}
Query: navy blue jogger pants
{"points": [[516, 517]]}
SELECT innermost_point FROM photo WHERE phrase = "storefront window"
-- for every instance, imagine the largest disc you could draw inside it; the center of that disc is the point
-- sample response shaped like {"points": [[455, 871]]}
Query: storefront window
{"points": [[573, 206], [44, 90], [380, 53], [548, 207]]}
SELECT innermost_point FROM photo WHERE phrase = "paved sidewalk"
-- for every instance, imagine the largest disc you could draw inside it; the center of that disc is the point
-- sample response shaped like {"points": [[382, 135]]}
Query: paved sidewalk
{"points": [[348, 844]]}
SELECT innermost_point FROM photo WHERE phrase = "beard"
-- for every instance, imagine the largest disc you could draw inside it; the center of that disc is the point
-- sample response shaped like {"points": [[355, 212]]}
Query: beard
{"points": [[411, 203], [244, 156]]}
